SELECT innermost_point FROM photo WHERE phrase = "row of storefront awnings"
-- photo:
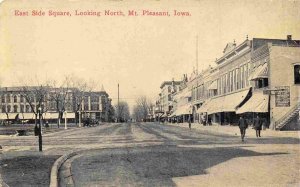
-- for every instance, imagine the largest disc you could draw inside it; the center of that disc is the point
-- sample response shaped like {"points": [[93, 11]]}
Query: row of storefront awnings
{"points": [[32, 116], [258, 102]]}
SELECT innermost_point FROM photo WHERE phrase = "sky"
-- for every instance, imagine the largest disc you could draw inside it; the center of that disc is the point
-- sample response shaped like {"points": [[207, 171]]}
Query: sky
{"points": [[138, 52]]}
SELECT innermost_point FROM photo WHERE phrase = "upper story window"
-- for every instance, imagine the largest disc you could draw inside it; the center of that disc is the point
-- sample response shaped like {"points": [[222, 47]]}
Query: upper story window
{"points": [[3, 108], [27, 108], [22, 108], [15, 99], [15, 108], [21, 98], [262, 83], [8, 98], [297, 74], [8, 108], [169, 89], [2, 98], [169, 98]]}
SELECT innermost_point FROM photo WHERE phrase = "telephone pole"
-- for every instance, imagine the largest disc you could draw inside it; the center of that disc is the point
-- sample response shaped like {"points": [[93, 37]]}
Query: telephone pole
{"points": [[118, 116], [197, 55]]}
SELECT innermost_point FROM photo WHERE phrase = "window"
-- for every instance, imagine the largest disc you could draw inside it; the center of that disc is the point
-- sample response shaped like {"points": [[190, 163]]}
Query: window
{"points": [[15, 99], [297, 74], [95, 107], [8, 98], [2, 98], [8, 108], [22, 108], [15, 108], [3, 109], [169, 89], [21, 98], [27, 108]]}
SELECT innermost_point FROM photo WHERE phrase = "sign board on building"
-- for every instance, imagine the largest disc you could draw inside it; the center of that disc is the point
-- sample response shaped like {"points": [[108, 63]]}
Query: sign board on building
{"points": [[282, 96]]}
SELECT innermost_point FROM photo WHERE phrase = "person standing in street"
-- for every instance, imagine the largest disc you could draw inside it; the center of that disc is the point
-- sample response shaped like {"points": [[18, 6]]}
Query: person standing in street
{"points": [[190, 124], [243, 126], [257, 124]]}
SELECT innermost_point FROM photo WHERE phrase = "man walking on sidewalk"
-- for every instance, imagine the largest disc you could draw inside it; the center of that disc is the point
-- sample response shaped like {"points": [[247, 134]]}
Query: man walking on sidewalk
{"points": [[243, 126], [257, 123], [190, 125]]}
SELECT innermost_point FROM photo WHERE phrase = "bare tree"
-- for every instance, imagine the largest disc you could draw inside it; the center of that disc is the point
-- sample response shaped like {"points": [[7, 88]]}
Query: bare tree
{"points": [[80, 88], [122, 111], [142, 108], [37, 99], [60, 96]]}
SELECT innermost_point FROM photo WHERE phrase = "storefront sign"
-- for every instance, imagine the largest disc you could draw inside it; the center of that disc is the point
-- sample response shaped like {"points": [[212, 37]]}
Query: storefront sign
{"points": [[282, 96]]}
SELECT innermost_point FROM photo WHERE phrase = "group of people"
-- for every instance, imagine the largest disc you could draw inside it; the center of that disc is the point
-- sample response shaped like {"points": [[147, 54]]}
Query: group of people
{"points": [[243, 125]]}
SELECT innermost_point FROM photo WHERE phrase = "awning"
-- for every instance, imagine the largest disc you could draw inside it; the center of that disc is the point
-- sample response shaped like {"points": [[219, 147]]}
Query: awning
{"points": [[10, 115], [163, 115], [204, 107], [26, 116], [13, 116], [226, 103], [257, 103], [55, 115], [173, 114], [187, 94], [213, 86], [260, 72], [182, 110], [50, 115]]}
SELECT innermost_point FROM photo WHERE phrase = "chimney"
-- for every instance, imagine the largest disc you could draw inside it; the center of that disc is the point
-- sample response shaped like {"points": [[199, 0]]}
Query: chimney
{"points": [[289, 37]]}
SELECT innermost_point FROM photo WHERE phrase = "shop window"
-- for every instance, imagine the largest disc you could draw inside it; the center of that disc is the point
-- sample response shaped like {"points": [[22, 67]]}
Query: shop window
{"points": [[297, 74]]}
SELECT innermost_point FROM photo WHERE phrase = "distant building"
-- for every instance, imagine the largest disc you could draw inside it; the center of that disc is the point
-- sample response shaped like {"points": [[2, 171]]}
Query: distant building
{"points": [[13, 103], [164, 104]]}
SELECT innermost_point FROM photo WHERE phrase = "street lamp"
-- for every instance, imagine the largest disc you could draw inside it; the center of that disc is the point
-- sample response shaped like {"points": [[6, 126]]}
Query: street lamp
{"points": [[65, 114], [40, 129]]}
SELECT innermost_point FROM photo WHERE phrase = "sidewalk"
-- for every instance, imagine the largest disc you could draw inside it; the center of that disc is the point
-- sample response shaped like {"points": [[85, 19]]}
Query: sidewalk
{"points": [[235, 131]]}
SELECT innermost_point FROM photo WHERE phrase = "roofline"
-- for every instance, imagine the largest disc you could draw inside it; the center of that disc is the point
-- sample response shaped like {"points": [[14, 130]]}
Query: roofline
{"points": [[169, 82]]}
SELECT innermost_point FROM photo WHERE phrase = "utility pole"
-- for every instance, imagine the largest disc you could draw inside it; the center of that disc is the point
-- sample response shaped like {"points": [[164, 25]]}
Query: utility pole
{"points": [[197, 55], [118, 103]]}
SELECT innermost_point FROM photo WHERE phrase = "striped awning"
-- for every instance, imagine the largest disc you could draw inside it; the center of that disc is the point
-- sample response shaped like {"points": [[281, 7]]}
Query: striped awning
{"points": [[258, 103], [182, 110], [227, 103], [213, 86], [260, 72]]}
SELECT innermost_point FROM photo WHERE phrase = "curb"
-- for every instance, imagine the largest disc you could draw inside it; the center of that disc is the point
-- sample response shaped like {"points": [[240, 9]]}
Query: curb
{"points": [[57, 164]]}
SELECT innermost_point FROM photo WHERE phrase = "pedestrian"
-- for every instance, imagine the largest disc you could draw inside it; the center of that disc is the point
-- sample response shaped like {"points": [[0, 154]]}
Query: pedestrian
{"points": [[257, 124], [190, 124], [243, 125], [209, 121]]}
